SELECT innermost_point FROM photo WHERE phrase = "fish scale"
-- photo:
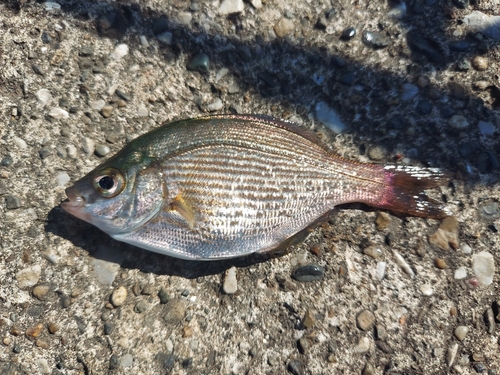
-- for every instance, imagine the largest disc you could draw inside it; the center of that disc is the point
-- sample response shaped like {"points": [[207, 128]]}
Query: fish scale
{"points": [[232, 185]]}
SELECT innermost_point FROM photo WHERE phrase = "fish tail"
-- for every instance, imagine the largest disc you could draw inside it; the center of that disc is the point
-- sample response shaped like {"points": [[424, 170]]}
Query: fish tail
{"points": [[405, 187]]}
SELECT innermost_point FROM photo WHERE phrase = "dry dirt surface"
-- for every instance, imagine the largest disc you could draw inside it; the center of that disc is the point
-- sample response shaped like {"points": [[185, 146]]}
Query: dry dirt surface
{"points": [[412, 83]]}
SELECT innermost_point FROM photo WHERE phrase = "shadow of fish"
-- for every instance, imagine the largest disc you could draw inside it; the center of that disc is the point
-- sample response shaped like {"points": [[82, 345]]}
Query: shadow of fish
{"points": [[225, 186]]}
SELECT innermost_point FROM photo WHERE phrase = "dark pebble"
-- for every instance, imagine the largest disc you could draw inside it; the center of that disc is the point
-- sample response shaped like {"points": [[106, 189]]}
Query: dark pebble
{"points": [[140, 307], [80, 323], [382, 345], [37, 69], [167, 361], [160, 25], [459, 45], [64, 300], [479, 367], [44, 153], [310, 272], [348, 33], [12, 202], [6, 161], [108, 328], [348, 79], [187, 363], [419, 44], [46, 38], [112, 25], [295, 367], [462, 4], [163, 295], [463, 65], [424, 107], [16, 349], [375, 39], [200, 62], [123, 95], [114, 362], [86, 51]]}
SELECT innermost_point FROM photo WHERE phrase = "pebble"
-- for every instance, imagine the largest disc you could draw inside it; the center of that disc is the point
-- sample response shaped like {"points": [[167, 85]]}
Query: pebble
{"points": [[123, 95], [43, 366], [451, 354], [53, 328], [257, 4], [102, 150], [368, 369], [348, 33], [43, 96], [40, 291], [52, 5], [295, 367], [120, 51], [446, 237], [284, 27], [480, 63], [34, 331], [458, 122], [215, 106], [374, 251], [377, 153], [142, 111], [141, 307], [62, 178], [200, 62], [72, 151], [380, 270], [29, 276], [485, 24], [166, 38], [169, 345], [88, 146], [460, 273], [426, 290], [375, 39], [309, 319], [118, 296], [230, 285], [187, 331], [231, 6], [483, 266], [97, 104], [163, 295], [408, 91], [174, 311], [42, 344], [6, 161], [401, 262], [108, 328], [363, 345], [107, 110], [486, 128], [58, 113], [126, 360], [185, 17], [328, 117], [461, 332], [440, 263], [489, 317], [365, 320], [12, 202], [308, 273]]}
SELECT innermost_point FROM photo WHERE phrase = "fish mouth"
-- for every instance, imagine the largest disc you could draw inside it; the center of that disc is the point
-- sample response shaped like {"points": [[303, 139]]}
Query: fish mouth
{"points": [[75, 201]]}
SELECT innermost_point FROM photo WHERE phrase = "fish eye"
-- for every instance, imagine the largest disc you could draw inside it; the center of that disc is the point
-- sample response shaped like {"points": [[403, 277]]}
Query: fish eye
{"points": [[109, 183]]}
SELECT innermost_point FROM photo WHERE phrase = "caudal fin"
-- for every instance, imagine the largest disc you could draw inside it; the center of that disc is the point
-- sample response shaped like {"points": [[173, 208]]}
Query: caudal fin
{"points": [[405, 191]]}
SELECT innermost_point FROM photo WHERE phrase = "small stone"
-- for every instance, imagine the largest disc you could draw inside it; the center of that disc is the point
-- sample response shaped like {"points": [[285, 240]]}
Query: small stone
{"points": [[446, 237], [348, 33], [451, 354], [40, 291], [295, 367], [482, 85], [174, 311], [127, 360], [185, 17], [380, 332], [97, 104], [141, 307], [53, 328], [483, 266], [309, 319], [479, 367], [29, 276], [169, 346], [377, 153], [215, 106], [440, 263], [108, 328], [461, 332], [230, 285], [88, 146], [458, 122], [489, 317], [6, 341], [257, 4], [118, 296], [6, 162], [42, 344], [34, 331], [123, 95], [200, 62], [328, 117], [486, 128], [58, 113], [43, 96], [12, 202], [460, 273], [120, 51], [365, 320], [363, 345], [102, 150], [187, 331], [163, 295], [408, 91], [107, 110], [374, 251], [166, 38], [284, 27], [142, 111], [231, 6], [426, 290], [423, 81], [62, 178], [304, 344], [380, 270], [375, 39], [45, 152], [368, 369], [403, 264], [480, 63], [308, 273]]}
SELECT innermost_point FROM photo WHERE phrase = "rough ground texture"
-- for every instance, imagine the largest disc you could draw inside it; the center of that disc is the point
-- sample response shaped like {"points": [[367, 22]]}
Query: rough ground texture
{"points": [[66, 94]]}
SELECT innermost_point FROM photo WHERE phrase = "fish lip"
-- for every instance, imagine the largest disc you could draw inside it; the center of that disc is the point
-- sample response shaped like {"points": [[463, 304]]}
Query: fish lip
{"points": [[75, 199]]}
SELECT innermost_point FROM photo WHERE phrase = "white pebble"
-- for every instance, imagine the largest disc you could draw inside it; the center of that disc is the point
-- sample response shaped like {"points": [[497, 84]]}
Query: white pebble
{"points": [[121, 50], [451, 354], [43, 366], [328, 117], [483, 265], [230, 283], [398, 12], [185, 17], [169, 346], [215, 106], [43, 96], [21, 143], [58, 113], [144, 41], [221, 74], [461, 332], [257, 4], [380, 272], [373, 251], [142, 111], [29, 276], [127, 360], [97, 104], [402, 263], [52, 5], [460, 273], [426, 290], [72, 152], [231, 6], [119, 296], [465, 248], [62, 178], [112, 89], [363, 345], [88, 146]]}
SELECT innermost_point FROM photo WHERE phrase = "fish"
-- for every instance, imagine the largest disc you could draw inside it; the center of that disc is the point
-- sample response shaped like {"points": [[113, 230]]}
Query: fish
{"points": [[226, 186]]}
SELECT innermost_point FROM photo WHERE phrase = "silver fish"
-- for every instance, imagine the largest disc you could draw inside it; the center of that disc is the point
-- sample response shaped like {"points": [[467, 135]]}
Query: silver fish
{"points": [[230, 185]]}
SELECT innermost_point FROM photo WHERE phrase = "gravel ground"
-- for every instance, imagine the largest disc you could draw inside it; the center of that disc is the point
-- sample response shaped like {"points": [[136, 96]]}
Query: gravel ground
{"points": [[413, 83]]}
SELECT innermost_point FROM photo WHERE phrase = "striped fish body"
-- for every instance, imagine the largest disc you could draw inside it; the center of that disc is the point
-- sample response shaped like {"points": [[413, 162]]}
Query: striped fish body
{"points": [[227, 186]]}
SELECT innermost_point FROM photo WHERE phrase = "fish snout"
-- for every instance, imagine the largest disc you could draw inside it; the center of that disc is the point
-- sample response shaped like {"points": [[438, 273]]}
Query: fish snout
{"points": [[76, 199]]}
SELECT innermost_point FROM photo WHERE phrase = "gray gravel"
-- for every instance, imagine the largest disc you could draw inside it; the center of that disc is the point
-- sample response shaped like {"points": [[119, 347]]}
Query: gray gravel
{"points": [[364, 293]]}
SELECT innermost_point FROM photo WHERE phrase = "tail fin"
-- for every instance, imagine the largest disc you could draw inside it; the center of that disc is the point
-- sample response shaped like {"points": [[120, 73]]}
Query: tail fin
{"points": [[405, 191]]}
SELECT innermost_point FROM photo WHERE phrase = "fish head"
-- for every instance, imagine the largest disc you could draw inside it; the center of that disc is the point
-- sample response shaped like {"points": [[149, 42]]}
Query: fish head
{"points": [[120, 195]]}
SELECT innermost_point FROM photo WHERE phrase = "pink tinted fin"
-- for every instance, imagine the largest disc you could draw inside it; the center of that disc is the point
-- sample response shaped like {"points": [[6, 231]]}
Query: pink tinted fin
{"points": [[405, 191]]}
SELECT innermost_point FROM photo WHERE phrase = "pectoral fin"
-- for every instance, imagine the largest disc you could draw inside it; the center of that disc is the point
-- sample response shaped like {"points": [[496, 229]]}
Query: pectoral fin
{"points": [[183, 208]]}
